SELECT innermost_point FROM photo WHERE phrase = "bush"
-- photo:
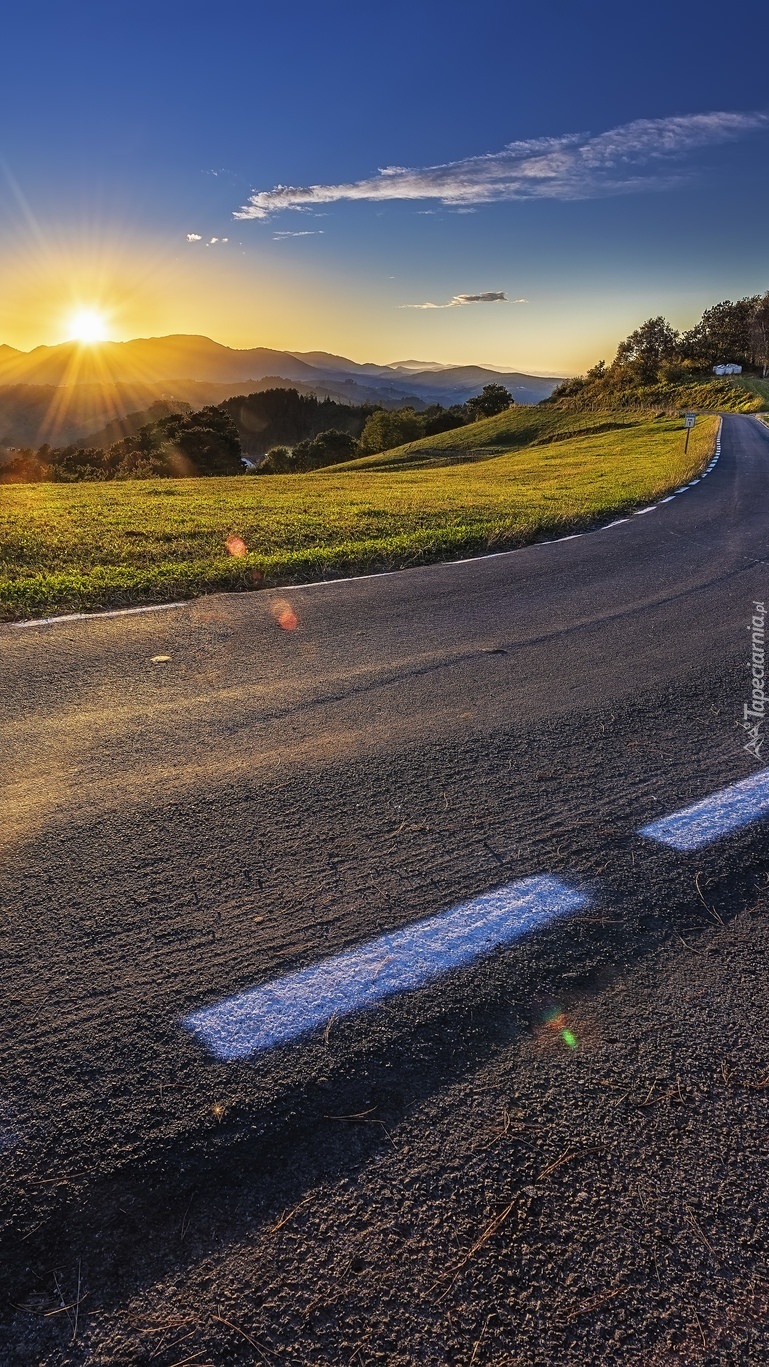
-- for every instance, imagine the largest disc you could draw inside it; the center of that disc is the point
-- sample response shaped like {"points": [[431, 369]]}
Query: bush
{"points": [[277, 462]]}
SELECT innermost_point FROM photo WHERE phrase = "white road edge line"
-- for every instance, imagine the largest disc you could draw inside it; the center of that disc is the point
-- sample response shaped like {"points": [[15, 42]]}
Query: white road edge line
{"points": [[403, 960], [90, 616], [713, 817]]}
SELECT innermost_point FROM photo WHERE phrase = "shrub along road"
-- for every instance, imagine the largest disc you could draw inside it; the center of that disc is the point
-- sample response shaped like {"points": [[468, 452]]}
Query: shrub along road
{"points": [[555, 1154]]}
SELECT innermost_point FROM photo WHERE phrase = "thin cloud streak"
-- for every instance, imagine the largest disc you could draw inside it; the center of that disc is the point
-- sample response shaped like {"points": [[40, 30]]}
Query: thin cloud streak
{"points": [[490, 297], [624, 160]]}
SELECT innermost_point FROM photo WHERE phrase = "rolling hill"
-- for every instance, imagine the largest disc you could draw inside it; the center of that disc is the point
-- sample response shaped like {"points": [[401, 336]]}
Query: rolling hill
{"points": [[32, 414], [61, 393], [508, 432], [150, 360]]}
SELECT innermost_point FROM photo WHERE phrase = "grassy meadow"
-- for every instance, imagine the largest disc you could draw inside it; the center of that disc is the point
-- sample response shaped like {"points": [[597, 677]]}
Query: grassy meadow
{"points": [[498, 484]]}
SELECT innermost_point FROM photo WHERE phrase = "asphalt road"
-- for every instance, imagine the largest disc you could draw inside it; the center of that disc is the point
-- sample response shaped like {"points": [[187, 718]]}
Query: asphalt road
{"points": [[202, 799]]}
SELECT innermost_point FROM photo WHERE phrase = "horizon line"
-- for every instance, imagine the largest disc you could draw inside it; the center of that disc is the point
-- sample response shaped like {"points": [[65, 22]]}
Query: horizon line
{"points": [[96, 345]]}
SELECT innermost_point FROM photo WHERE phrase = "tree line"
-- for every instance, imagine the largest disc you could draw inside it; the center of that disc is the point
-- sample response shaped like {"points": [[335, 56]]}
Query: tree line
{"points": [[212, 441], [656, 354], [183, 444], [384, 429], [273, 417]]}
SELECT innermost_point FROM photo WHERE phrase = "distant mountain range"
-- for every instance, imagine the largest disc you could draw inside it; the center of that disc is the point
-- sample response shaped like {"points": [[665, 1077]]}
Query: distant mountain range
{"points": [[60, 393]]}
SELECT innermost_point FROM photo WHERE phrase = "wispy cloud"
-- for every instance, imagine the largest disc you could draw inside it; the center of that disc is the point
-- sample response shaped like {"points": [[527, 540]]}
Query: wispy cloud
{"points": [[194, 237], [308, 232], [490, 297], [623, 160]]}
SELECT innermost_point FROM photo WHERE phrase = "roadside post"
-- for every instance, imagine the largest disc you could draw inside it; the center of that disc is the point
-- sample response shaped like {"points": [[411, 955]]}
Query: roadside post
{"points": [[689, 421]]}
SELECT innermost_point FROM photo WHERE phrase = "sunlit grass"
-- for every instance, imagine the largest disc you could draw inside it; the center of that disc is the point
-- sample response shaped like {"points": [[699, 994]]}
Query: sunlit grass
{"points": [[509, 431], [755, 386], [67, 548]]}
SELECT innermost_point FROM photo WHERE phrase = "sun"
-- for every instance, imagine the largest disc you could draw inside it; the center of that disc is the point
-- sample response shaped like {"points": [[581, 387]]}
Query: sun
{"points": [[88, 325]]}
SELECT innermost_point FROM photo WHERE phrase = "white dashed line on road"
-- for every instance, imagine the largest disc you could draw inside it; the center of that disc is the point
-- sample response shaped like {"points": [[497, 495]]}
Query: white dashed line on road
{"points": [[400, 961], [292, 1006], [713, 817]]}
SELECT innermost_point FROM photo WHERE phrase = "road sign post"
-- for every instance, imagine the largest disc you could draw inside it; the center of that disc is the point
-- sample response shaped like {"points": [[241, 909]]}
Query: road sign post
{"points": [[689, 421]]}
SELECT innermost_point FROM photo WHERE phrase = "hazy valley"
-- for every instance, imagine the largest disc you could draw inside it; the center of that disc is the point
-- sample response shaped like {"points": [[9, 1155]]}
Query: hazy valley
{"points": [[58, 394]]}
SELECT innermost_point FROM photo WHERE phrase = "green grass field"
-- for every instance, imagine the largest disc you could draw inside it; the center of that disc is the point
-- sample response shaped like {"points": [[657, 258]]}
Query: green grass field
{"points": [[508, 432], [499, 484], [755, 386]]}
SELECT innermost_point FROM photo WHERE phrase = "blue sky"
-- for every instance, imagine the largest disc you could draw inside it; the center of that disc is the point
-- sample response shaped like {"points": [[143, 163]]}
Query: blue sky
{"points": [[126, 130]]}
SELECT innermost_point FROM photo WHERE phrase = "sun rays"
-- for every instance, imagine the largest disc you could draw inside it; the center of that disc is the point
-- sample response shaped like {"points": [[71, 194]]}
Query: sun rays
{"points": [[88, 325]]}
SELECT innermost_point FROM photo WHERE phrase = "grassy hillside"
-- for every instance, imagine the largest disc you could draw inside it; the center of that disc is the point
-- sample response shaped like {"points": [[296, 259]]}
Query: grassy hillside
{"points": [[491, 437], [76, 547], [617, 394], [760, 388]]}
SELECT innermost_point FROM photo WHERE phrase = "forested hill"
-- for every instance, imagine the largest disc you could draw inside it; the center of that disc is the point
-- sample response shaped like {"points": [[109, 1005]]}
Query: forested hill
{"points": [[278, 417], [132, 423], [299, 431]]}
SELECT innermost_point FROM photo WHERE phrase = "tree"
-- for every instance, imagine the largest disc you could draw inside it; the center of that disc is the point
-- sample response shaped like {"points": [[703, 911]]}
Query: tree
{"points": [[722, 334], [206, 442], [493, 399], [388, 428], [277, 462], [645, 349], [568, 389], [759, 333], [328, 448], [24, 467], [437, 419]]}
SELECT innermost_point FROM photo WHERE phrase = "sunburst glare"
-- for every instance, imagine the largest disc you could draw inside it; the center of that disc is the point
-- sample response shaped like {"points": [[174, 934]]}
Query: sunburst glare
{"points": [[88, 325]]}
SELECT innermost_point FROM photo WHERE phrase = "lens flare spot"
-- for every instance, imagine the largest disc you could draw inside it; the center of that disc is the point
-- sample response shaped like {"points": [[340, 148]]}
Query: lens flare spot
{"points": [[556, 1021], [284, 615], [236, 546]]}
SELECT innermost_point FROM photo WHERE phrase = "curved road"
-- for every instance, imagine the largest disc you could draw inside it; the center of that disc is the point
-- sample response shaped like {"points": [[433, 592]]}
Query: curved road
{"points": [[205, 798]]}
